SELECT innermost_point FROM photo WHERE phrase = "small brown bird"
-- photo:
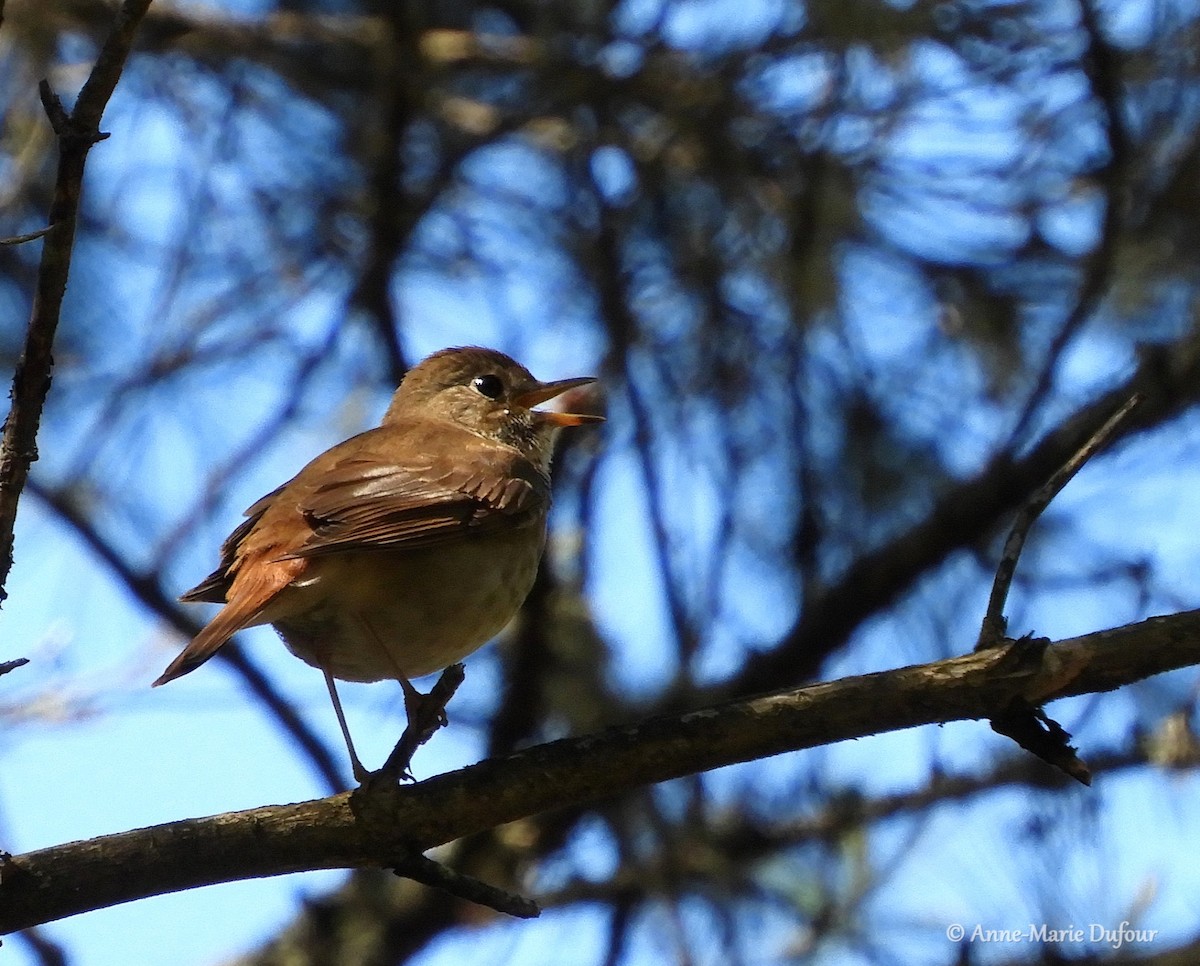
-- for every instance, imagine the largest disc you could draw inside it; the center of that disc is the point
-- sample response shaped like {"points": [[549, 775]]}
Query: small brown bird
{"points": [[407, 547]]}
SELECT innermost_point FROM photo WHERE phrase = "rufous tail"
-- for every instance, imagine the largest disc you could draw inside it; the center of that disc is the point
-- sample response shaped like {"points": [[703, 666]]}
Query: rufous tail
{"points": [[205, 644], [245, 609]]}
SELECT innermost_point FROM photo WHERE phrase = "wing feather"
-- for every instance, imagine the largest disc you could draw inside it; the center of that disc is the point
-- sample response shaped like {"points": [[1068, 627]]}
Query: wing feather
{"points": [[215, 587], [396, 506], [386, 490]]}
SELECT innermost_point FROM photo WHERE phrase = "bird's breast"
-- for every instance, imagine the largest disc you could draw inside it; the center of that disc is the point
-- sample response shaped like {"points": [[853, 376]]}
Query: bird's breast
{"points": [[369, 616]]}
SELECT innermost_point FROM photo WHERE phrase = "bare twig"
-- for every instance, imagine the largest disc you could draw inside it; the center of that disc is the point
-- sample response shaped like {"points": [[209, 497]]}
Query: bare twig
{"points": [[76, 132], [425, 870], [994, 626], [1039, 734], [27, 237]]}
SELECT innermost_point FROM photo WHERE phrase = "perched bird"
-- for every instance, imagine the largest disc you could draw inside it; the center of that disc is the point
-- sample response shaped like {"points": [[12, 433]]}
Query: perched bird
{"points": [[405, 548]]}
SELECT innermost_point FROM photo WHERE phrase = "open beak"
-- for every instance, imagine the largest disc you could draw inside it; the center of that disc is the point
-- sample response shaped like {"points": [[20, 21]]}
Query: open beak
{"points": [[548, 390]]}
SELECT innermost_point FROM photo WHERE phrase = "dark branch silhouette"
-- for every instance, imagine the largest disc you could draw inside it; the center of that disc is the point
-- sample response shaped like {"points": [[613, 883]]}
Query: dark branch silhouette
{"points": [[77, 132]]}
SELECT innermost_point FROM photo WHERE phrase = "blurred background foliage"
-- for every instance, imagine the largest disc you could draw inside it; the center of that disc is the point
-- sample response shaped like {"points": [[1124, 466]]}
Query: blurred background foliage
{"points": [[832, 260]]}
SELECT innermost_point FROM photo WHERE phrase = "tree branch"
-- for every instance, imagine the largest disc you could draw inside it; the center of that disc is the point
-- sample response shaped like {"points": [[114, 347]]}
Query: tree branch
{"points": [[77, 132], [6, 666], [994, 623], [382, 825], [27, 237], [424, 870], [1168, 379]]}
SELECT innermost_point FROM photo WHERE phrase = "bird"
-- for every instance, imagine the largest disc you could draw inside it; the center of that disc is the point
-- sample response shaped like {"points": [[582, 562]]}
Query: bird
{"points": [[403, 549]]}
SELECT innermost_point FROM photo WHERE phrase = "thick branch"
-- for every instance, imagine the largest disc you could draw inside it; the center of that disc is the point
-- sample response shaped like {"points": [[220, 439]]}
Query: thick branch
{"points": [[382, 825]]}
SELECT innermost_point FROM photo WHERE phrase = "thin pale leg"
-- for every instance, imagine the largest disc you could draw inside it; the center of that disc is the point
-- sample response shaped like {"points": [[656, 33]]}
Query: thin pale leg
{"points": [[412, 697], [360, 773]]}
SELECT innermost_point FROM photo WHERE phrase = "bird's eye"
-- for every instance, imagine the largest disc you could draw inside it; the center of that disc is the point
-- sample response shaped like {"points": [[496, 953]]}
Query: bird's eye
{"points": [[489, 385]]}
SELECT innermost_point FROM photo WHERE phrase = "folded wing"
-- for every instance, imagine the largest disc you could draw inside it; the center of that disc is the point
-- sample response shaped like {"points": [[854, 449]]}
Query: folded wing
{"points": [[359, 497]]}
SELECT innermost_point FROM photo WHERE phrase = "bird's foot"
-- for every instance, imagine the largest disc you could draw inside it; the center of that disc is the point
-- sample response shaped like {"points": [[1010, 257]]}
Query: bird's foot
{"points": [[426, 714]]}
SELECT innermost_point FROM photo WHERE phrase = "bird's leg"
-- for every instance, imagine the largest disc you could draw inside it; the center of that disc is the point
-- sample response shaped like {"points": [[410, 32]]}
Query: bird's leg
{"points": [[412, 697], [356, 766], [426, 713], [415, 703]]}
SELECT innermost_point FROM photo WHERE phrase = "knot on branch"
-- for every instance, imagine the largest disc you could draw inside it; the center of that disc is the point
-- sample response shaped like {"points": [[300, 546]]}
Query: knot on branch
{"points": [[71, 133], [1041, 735]]}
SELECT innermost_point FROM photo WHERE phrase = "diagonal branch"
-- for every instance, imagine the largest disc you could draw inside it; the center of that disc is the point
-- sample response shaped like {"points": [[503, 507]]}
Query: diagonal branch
{"points": [[1168, 379], [6, 666], [1028, 725], [382, 825], [426, 871], [27, 237], [77, 132], [426, 719], [994, 623]]}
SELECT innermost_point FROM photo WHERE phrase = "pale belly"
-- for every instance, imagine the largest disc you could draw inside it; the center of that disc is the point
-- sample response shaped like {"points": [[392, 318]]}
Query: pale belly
{"points": [[376, 616]]}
